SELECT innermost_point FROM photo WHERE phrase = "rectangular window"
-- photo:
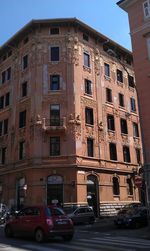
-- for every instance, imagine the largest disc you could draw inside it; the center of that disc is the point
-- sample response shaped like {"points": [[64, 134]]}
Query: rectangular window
{"points": [[55, 115], [5, 126], [24, 89], [146, 8], [54, 146], [119, 76], [22, 119], [138, 155], [88, 86], [3, 77], [86, 59], [110, 122], [54, 54], [25, 62], [8, 73], [135, 130], [55, 82], [1, 102], [108, 95], [85, 37], [21, 150], [148, 47], [123, 125], [90, 151], [113, 151], [121, 99], [107, 70], [7, 98], [3, 155], [133, 105], [131, 81], [1, 128], [89, 116], [126, 154], [54, 31]]}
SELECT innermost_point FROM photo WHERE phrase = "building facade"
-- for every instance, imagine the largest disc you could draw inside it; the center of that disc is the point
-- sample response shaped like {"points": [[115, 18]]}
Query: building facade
{"points": [[139, 20], [69, 119]]}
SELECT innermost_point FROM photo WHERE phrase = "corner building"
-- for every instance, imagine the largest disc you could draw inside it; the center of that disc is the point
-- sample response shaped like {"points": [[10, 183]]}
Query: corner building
{"points": [[69, 121]]}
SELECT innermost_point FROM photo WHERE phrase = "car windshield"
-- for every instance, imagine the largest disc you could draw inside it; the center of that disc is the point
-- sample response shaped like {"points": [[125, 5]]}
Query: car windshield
{"points": [[55, 211]]}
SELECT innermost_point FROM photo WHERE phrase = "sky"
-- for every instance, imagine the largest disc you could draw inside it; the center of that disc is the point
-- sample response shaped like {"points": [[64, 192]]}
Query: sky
{"points": [[102, 15]]}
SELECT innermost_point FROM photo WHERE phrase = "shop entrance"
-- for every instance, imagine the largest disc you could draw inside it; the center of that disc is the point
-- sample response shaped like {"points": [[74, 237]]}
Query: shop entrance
{"points": [[93, 193], [54, 189]]}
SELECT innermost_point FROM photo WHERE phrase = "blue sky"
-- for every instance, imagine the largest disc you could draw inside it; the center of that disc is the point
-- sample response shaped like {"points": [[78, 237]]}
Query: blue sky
{"points": [[103, 15]]}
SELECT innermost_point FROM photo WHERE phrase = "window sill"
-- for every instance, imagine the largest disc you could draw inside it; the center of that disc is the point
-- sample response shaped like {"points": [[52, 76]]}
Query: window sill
{"points": [[87, 68], [88, 95], [89, 125], [120, 83], [107, 78]]}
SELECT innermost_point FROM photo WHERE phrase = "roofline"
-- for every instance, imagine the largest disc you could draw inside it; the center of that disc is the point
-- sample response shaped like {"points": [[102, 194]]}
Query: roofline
{"points": [[124, 4], [74, 21]]}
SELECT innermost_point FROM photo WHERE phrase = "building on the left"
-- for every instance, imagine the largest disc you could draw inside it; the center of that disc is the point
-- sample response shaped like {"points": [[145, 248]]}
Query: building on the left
{"points": [[69, 119]]}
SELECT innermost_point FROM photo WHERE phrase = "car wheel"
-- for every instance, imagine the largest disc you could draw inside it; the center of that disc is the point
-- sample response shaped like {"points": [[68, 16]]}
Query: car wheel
{"points": [[8, 232], [68, 237], [39, 235]]}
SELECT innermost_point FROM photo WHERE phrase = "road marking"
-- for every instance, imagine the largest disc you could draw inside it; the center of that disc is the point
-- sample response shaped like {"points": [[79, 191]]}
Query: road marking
{"points": [[40, 248]]}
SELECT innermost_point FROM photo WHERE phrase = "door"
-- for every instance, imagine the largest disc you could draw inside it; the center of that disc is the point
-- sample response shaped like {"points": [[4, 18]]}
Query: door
{"points": [[93, 194]]}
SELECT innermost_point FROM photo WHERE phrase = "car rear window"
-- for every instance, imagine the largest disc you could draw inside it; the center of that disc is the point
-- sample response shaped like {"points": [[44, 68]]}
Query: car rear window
{"points": [[54, 211]]}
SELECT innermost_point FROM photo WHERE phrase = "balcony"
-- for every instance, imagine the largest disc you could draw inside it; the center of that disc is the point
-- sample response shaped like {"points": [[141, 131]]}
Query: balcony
{"points": [[53, 125]]}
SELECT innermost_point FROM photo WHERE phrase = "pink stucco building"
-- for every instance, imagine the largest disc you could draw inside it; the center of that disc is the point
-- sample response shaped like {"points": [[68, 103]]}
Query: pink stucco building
{"points": [[69, 119]]}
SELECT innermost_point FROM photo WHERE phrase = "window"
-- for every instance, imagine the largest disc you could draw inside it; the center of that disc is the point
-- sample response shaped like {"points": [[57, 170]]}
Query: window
{"points": [[21, 150], [4, 101], [3, 127], [24, 89], [1, 102], [54, 82], [88, 86], [131, 81], [108, 95], [54, 31], [138, 155], [89, 116], [129, 186], [90, 147], [7, 97], [6, 75], [55, 54], [119, 76], [2, 155], [22, 119], [133, 105], [26, 40], [113, 151], [123, 125], [3, 77], [135, 130], [110, 122], [55, 115], [86, 59], [85, 37], [116, 188], [146, 8], [54, 146], [107, 70], [126, 154], [25, 62], [121, 99]]}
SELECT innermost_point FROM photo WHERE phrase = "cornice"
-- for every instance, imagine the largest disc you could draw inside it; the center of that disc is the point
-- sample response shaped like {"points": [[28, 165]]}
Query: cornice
{"points": [[125, 4]]}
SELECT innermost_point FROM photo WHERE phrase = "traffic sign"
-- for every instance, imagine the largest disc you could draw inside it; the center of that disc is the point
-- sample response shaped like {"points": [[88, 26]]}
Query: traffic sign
{"points": [[138, 181]]}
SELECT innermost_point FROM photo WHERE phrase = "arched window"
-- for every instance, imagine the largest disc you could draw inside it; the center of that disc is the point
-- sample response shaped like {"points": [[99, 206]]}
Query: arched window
{"points": [[116, 188], [129, 186]]}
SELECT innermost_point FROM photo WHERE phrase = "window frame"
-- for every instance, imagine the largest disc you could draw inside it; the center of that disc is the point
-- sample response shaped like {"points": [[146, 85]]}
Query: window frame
{"points": [[111, 122], [88, 86], [89, 116], [113, 151], [121, 99], [109, 98], [54, 58], [54, 83], [107, 70], [123, 126], [126, 154], [86, 59], [56, 145], [90, 147], [119, 74]]}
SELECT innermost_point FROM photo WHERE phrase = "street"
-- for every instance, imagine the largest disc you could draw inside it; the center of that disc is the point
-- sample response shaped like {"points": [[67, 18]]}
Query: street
{"points": [[98, 237]]}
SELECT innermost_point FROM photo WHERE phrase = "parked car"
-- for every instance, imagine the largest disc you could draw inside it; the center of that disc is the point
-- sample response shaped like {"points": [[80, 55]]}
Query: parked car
{"points": [[132, 217], [40, 222], [129, 206], [80, 214]]}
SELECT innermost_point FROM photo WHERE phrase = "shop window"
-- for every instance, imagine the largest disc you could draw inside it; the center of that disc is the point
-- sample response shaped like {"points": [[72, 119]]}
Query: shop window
{"points": [[108, 95], [22, 119], [54, 54], [126, 154], [89, 116], [54, 82], [119, 76], [90, 150], [86, 59], [129, 186], [121, 99], [116, 187], [107, 69], [123, 125], [54, 146], [88, 86], [21, 150], [113, 151], [110, 122], [135, 130]]}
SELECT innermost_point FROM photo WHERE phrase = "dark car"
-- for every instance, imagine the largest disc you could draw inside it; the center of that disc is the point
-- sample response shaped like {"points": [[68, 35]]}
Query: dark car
{"points": [[132, 217], [40, 222], [80, 214]]}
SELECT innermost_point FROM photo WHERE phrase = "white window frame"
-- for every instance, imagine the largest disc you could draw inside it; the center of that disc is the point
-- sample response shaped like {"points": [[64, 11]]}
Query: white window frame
{"points": [[146, 9]]}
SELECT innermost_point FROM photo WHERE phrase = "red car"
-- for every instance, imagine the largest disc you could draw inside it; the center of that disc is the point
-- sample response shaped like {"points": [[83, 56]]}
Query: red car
{"points": [[40, 222]]}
